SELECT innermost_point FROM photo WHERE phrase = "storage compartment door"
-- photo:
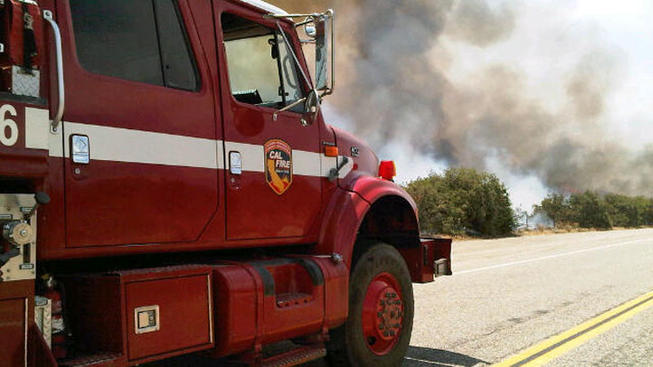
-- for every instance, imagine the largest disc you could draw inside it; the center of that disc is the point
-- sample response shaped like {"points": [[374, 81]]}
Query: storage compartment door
{"points": [[168, 315]]}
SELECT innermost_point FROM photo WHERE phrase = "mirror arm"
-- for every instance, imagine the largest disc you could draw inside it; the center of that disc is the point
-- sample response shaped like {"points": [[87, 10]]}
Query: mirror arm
{"points": [[290, 16], [318, 106], [275, 116], [306, 21]]}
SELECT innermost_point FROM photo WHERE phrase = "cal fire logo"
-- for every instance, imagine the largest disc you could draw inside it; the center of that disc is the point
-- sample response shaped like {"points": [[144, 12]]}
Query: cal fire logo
{"points": [[278, 165]]}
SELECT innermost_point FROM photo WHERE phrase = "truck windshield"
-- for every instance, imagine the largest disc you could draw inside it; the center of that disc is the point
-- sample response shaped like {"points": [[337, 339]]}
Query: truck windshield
{"points": [[261, 68]]}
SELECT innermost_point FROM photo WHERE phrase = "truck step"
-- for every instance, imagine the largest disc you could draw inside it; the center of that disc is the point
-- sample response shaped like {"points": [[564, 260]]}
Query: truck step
{"points": [[94, 360], [296, 357]]}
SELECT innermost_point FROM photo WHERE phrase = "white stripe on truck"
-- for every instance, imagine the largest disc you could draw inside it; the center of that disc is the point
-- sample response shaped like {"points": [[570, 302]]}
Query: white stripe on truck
{"points": [[146, 147]]}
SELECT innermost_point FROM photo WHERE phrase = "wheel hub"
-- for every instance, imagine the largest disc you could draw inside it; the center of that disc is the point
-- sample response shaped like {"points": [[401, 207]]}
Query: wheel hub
{"points": [[383, 312], [389, 313]]}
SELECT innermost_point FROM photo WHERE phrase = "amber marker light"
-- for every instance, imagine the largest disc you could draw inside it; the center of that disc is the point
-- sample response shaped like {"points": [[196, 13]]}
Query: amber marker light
{"points": [[387, 170], [331, 151]]}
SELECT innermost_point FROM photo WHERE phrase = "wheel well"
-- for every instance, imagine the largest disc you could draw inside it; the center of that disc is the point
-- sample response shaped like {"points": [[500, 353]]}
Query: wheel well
{"points": [[391, 220]]}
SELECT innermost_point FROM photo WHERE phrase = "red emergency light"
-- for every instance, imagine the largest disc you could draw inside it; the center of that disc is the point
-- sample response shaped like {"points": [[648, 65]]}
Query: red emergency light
{"points": [[387, 170]]}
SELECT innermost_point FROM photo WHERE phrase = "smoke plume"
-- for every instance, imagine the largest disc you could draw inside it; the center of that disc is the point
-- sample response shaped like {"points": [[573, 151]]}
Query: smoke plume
{"points": [[395, 85]]}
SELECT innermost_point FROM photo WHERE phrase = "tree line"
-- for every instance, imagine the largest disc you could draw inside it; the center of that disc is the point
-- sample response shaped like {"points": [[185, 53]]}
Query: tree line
{"points": [[464, 201], [593, 210]]}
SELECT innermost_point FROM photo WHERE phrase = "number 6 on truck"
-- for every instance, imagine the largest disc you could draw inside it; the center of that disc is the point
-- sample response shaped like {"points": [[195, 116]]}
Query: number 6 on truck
{"points": [[12, 137]]}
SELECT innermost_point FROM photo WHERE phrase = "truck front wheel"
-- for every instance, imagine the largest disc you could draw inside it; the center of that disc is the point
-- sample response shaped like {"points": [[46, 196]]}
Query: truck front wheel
{"points": [[377, 331]]}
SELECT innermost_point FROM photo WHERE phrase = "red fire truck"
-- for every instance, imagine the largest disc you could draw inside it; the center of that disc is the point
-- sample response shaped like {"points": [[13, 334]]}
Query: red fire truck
{"points": [[168, 186]]}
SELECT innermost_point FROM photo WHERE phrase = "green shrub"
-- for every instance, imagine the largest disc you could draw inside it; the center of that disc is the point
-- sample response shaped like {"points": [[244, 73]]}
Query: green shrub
{"points": [[463, 200], [592, 210]]}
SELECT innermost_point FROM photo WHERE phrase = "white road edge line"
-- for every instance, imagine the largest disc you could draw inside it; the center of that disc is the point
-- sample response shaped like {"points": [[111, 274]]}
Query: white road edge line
{"points": [[547, 257], [430, 362]]}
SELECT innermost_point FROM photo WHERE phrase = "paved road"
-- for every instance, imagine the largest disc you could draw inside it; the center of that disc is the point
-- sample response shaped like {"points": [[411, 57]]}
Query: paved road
{"points": [[507, 295]]}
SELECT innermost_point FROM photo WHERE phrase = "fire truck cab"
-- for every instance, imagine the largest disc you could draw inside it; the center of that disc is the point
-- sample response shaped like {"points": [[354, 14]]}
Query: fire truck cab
{"points": [[168, 187]]}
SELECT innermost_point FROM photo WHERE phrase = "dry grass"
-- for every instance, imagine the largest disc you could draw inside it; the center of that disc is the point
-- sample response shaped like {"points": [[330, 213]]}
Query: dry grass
{"points": [[563, 229], [533, 232]]}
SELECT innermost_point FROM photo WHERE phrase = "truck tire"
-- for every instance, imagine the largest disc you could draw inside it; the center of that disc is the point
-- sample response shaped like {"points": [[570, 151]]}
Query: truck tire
{"points": [[377, 330]]}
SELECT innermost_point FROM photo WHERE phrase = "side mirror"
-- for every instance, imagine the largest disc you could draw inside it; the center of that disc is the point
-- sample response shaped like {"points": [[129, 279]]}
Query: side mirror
{"points": [[319, 27], [321, 36]]}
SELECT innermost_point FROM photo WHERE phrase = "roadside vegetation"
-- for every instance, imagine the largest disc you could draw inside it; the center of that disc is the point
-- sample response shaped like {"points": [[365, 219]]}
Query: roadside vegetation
{"points": [[592, 210], [464, 202]]}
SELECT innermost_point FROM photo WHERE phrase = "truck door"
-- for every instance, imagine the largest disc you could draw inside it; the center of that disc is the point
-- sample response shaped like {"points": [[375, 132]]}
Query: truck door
{"points": [[140, 134], [273, 183]]}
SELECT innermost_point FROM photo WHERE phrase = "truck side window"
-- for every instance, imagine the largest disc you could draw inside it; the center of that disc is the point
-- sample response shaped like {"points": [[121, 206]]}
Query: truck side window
{"points": [[261, 68], [142, 41], [178, 68]]}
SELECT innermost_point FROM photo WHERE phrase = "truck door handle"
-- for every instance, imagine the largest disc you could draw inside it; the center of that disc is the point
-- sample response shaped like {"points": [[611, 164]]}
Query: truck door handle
{"points": [[80, 149], [235, 163]]}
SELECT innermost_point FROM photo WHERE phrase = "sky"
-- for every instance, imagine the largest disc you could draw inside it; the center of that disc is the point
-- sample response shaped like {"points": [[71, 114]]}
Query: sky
{"points": [[549, 38]]}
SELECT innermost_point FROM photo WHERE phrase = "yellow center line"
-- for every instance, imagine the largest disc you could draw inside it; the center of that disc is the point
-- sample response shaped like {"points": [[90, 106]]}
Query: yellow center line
{"points": [[570, 339]]}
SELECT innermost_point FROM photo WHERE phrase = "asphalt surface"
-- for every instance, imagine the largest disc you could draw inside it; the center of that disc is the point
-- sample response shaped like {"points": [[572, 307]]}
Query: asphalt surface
{"points": [[507, 295], [510, 294]]}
